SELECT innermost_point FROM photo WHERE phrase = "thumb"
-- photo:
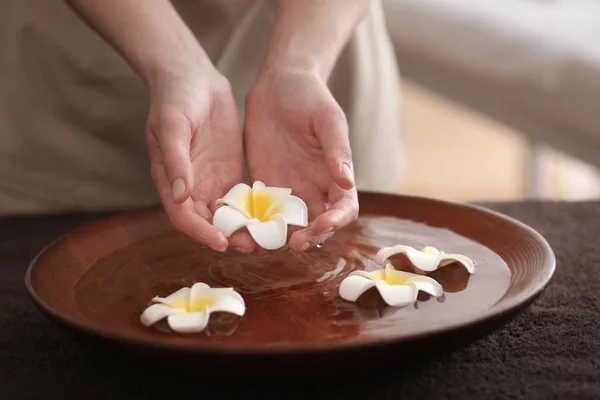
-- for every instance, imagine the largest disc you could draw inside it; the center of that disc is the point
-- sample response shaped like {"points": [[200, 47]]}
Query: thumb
{"points": [[331, 128], [173, 136]]}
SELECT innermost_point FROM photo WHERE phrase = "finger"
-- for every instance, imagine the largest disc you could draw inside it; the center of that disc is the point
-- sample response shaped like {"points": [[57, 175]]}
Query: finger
{"points": [[242, 242], [186, 217], [321, 239], [239, 241], [173, 136], [331, 128], [198, 228], [317, 202], [341, 213]]}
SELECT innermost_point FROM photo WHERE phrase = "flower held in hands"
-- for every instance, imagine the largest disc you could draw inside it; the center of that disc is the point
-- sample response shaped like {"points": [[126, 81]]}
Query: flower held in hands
{"points": [[264, 211]]}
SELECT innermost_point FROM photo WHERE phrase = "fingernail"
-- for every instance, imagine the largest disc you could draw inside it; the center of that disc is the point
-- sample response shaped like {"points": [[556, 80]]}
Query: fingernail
{"points": [[305, 246], [347, 171], [177, 188], [222, 245], [327, 236], [220, 248]]}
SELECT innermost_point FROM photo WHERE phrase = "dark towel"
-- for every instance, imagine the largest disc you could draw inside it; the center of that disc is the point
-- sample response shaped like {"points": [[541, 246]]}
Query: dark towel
{"points": [[550, 351]]}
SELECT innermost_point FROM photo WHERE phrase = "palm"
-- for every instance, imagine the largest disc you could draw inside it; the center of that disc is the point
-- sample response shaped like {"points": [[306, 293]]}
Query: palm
{"points": [[198, 126], [283, 151], [216, 154], [283, 147]]}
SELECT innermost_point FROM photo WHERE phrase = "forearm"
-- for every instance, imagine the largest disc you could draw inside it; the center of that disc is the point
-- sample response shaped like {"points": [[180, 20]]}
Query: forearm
{"points": [[312, 33], [148, 33]]}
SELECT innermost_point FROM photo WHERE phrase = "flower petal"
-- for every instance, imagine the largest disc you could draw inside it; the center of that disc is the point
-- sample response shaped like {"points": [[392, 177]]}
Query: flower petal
{"points": [[228, 220], [199, 287], [365, 274], [464, 260], [270, 235], [424, 261], [240, 198], [258, 185], [263, 199], [419, 259], [229, 301], [386, 252], [189, 323], [378, 274], [293, 209], [431, 250], [180, 299], [397, 295], [229, 292], [196, 292], [279, 192], [427, 285], [424, 283], [353, 286], [157, 312]]}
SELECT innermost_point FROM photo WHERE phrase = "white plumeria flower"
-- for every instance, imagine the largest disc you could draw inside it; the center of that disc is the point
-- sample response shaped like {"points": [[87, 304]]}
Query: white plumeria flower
{"points": [[397, 288], [426, 260], [188, 309], [264, 211]]}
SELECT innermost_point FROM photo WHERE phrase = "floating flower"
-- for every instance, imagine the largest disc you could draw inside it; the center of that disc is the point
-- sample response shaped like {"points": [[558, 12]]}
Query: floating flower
{"points": [[264, 211], [397, 288], [188, 309], [427, 260]]}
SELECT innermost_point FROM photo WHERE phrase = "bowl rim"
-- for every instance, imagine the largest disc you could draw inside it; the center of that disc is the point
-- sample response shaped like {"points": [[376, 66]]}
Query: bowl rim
{"points": [[498, 310]]}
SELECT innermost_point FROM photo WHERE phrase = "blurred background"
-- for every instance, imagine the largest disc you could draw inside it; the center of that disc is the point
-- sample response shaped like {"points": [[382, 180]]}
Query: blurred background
{"points": [[500, 100]]}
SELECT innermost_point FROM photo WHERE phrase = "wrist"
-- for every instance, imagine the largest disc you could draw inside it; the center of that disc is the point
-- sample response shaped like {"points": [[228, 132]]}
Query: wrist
{"points": [[193, 68], [159, 66], [281, 63]]}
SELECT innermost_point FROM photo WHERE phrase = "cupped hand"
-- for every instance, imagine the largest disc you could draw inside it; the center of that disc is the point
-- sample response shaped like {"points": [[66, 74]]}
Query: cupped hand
{"points": [[196, 151], [296, 135]]}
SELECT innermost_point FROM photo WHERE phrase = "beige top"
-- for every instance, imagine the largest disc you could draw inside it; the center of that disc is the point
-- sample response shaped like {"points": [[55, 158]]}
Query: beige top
{"points": [[73, 112]]}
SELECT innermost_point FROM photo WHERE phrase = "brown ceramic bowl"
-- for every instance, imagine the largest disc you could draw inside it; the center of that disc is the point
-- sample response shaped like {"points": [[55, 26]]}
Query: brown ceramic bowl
{"points": [[99, 279]]}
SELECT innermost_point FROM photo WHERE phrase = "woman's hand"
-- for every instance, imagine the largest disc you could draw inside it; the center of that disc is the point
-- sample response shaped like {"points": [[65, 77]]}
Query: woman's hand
{"points": [[296, 136], [193, 131], [195, 142]]}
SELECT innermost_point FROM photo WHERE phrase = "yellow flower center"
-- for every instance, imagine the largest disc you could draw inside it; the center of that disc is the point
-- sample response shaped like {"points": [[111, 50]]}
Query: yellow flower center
{"points": [[180, 303], [202, 302], [388, 276], [260, 205], [431, 250]]}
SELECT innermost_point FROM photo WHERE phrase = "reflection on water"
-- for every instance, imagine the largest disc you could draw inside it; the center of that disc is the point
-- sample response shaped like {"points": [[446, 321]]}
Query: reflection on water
{"points": [[454, 277], [290, 298], [220, 324]]}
